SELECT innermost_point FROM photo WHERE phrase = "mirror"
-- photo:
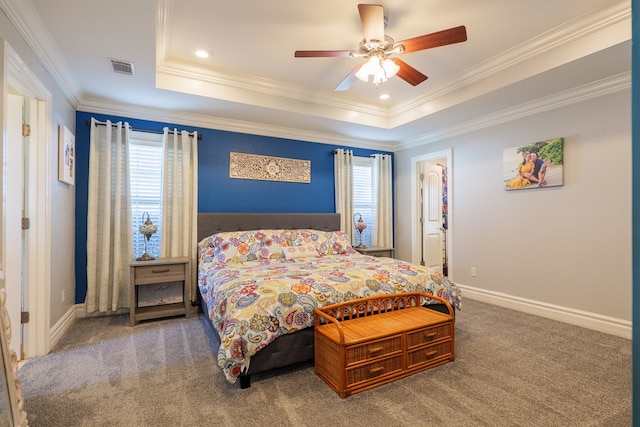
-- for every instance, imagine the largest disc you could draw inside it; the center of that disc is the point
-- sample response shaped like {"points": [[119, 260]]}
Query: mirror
{"points": [[12, 411]]}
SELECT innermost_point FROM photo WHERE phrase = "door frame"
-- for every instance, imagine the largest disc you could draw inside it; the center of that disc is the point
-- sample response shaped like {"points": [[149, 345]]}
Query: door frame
{"points": [[17, 75], [415, 206]]}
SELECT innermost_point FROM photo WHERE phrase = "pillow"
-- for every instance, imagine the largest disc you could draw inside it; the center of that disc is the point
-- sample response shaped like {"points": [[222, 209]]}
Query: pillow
{"points": [[248, 245], [337, 242], [292, 252], [205, 250], [325, 242], [303, 237]]}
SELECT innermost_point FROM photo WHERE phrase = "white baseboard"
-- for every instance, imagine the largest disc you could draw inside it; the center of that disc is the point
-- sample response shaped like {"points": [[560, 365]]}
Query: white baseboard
{"points": [[62, 326], [597, 322]]}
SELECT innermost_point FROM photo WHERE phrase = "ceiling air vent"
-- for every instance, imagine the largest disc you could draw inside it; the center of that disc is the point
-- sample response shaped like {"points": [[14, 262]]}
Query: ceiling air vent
{"points": [[122, 67]]}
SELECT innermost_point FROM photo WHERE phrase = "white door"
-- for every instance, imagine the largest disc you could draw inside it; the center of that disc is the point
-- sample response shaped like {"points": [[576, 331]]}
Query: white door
{"points": [[26, 255], [13, 213], [432, 216]]}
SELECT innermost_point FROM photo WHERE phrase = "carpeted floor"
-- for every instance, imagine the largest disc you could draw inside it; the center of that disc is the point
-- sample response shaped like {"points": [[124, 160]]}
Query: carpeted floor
{"points": [[511, 369]]}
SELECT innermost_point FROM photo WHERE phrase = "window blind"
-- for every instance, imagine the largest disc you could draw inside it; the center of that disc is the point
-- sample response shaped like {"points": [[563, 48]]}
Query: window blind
{"points": [[145, 160], [363, 197]]}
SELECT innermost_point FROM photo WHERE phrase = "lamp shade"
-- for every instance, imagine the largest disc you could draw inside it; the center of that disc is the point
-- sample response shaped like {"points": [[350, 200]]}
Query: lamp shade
{"points": [[369, 68], [390, 68], [148, 228], [360, 225]]}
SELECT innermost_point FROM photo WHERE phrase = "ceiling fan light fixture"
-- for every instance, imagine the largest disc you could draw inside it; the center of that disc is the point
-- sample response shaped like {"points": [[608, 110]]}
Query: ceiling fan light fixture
{"points": [[390, 68], [369, 68], [363, 74], [379, 77], [377, 70]]}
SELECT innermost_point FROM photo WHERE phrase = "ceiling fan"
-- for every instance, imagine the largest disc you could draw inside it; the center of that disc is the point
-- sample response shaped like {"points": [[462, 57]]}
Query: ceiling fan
{"points": [[378, 49]]}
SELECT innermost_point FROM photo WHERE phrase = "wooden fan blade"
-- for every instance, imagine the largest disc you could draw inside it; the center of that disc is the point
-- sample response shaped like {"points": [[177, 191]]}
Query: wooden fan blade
{"points": [[372, 17], [441, 38], [348, 81], [408, 73], [321, 53]]}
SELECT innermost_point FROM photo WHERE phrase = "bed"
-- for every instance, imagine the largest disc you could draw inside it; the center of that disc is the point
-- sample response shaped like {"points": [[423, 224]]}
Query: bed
{"points": [[260, 275]]}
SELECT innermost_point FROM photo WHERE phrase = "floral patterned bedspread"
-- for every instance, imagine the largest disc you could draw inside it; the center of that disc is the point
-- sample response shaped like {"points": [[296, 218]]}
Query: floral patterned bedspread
{"points": [[252, 303]]}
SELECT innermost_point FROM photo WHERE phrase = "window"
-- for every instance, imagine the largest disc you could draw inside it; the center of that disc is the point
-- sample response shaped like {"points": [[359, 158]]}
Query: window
{"points": [[145, 162], [364, 197]]}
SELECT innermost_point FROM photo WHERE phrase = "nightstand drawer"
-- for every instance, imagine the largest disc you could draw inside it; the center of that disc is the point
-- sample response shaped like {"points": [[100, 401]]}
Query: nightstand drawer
{"points": [[165, 273]]}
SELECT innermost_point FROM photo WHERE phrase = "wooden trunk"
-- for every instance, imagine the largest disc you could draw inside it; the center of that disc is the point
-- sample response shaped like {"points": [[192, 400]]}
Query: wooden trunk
{"points": [[368, 342]]}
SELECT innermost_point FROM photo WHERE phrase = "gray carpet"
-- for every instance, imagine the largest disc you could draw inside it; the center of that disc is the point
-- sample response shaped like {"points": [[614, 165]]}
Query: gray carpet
{"points": [[511, 369]]}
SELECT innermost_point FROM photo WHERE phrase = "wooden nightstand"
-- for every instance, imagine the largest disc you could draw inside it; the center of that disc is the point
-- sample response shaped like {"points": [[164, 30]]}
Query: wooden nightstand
{"points": [[161, 271], [376, 251]]}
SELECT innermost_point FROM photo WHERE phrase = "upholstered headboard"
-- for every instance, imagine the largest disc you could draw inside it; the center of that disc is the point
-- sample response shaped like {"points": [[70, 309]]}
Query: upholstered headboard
{"points": [[215, 222]]}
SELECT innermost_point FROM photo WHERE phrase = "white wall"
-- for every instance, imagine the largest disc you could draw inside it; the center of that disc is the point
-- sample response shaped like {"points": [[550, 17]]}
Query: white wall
{"points": [[563, 252]]}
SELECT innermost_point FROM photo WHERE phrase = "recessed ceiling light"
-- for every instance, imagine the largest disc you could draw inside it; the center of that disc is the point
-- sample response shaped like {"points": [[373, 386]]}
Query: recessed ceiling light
{"points": [[201, 53], [384, 96]]}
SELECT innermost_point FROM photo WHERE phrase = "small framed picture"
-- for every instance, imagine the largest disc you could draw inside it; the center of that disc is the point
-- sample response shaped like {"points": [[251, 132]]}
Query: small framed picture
{"points": [[536, 165], [66, 155]]}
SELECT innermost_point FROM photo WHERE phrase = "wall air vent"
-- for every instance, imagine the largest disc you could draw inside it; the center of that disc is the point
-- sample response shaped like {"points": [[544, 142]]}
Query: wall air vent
{"points": [[122, 67]]}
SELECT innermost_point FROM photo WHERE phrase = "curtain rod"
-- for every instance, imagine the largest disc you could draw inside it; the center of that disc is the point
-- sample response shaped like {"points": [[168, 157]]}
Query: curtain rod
{"points": [[361, 155], [88, 123]]}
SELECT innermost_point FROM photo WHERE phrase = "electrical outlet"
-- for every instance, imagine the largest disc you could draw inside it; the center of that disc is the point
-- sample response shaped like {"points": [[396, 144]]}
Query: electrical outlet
{"points": [[64, 296], [474, 273]]}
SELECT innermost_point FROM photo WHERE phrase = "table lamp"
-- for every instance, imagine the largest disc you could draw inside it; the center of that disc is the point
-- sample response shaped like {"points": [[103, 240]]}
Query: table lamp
{"points": [[147, 229], [360, 226]]}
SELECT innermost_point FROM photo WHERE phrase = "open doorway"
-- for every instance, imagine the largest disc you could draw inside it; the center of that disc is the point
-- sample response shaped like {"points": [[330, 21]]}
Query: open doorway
{"points": [[432, 211]]}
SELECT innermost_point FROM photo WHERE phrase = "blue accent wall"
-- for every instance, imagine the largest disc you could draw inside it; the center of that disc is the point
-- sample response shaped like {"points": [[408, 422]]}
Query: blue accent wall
{"points": [[216, 191]]}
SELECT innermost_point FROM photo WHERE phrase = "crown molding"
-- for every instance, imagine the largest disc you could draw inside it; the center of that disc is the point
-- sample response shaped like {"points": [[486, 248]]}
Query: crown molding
{"points": [[225, 124], [583, 93], [276, 88], [29, 25], [21, 78], [602, 87], [485, 77], [609, 25], [264, 92]]}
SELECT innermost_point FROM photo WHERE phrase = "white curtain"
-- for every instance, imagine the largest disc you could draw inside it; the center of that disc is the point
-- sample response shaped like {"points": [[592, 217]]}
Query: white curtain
{"points": [[343, 174], [383, 229], [109, 237], [178, 236]]}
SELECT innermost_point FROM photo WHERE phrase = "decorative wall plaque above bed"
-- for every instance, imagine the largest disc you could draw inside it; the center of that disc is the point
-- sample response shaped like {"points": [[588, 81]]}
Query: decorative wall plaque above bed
{"points": [[266, 168]]}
